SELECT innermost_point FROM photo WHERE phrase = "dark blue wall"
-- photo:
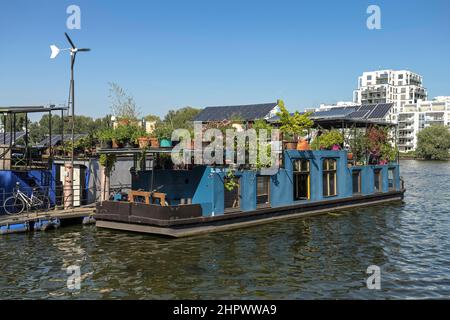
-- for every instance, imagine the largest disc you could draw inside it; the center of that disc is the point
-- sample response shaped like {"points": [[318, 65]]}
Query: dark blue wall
{"points": [[205, 185], [43, 178]]}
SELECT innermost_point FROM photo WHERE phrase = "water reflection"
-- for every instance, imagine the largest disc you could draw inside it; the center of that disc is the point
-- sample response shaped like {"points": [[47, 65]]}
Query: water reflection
{"points": [[318, 257]]}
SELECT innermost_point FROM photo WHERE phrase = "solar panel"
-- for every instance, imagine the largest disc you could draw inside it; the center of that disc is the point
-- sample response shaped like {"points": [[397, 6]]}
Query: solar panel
{"points": [[57, 138], [7, 138], [360, 114], [367, 107], [381, 110], [333, 112]]}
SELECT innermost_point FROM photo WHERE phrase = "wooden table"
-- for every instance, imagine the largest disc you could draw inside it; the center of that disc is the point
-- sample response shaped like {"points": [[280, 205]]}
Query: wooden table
{"points": [[147, 195]]}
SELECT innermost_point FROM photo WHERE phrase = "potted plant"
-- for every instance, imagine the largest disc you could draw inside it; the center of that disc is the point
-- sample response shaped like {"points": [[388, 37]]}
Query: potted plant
{"points": [[124, 135], [141, 138], [105, 136], [293, 126], [164, 134], [331, 140]]}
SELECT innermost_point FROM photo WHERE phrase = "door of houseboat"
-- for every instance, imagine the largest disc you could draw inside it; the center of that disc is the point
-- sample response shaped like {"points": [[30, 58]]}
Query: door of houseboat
{"points": [[262, 191], [231, 197]]}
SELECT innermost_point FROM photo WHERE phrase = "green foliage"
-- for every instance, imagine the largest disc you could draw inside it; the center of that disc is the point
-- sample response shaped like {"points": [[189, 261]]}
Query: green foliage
{"points": [[105, 135], [388, 152], [230, 181], [125, 133], [40, 129], [107, 161], [293, 125], [268, 151], [162, 131], [151, 118], [328, 140], [262, 124], [359, 146], [433, 143], [181, 118], [139, 132]]}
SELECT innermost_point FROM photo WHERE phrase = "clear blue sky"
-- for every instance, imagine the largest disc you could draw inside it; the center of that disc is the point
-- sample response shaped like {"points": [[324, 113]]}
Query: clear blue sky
{"points": [[171, 54]]}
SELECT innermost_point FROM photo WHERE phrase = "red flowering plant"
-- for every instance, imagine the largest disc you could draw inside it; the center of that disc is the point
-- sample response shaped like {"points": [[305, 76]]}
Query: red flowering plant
{"points": [[380, 148]]}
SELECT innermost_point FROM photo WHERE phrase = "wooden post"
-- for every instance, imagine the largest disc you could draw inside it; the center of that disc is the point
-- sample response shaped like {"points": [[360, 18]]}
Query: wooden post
{"points": [[68, 186], [105, 184]]}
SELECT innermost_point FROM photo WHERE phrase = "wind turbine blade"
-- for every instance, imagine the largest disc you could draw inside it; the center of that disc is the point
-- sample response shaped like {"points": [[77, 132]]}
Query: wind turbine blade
{"points": [[55, 51], [84, 50], [70, 40]]}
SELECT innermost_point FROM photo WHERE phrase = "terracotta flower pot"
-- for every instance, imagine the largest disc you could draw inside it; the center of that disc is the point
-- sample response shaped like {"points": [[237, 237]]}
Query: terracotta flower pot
{"points": [[123, 122], [290, 145], [144, 142], [115, 144], [154, 143], [303, 145]]}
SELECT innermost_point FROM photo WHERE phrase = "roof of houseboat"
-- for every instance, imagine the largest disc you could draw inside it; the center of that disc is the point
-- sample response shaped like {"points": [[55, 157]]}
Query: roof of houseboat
{"points": [[356, 115], [248, 112]]}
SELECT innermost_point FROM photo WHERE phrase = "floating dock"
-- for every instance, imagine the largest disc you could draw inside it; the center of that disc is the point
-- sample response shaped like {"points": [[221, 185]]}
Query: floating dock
{"points": [[42, 221]]}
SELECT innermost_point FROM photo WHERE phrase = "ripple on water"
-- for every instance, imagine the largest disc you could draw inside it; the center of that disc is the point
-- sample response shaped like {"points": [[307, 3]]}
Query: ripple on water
{"points": [[313, 258]]}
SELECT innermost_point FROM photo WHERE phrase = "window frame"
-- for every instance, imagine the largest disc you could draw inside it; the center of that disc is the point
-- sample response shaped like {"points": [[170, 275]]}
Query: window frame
{"points": [[326, 171], [377, 172], [394, 186], [359, 173], [301, 172]]}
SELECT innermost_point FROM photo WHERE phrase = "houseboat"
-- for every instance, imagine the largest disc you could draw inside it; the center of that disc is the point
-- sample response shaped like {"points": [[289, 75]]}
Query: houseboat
{"points": [[194, 201]]}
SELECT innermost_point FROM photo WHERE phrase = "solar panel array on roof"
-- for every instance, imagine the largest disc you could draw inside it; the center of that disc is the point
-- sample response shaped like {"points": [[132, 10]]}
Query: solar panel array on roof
{"points": [[244, 112], [380, 111], [57, 138], [6, 138], [334, 112], [363, 112]]}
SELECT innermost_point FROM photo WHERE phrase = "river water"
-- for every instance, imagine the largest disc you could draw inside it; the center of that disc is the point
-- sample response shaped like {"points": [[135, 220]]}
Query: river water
{"points": [[324, 257]]}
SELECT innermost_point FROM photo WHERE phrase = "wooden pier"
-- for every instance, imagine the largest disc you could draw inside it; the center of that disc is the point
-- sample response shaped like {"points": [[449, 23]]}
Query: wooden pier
{"points": [[41, 221]]}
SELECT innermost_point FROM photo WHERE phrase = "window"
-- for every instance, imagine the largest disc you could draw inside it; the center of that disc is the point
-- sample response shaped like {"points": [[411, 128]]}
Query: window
{"points": [[400, 76], [369, 77], [301, 180], [329, 178], [377, 180], [391, 179], [262, 190], [356, 181]]}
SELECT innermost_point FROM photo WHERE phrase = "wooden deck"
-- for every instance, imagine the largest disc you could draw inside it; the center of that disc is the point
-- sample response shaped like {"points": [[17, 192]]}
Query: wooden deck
{"points": [[25, 222], [204, 225]]}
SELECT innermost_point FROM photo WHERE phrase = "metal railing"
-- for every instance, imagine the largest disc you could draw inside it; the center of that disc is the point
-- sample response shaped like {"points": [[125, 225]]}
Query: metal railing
{"points": [[60, 196]]}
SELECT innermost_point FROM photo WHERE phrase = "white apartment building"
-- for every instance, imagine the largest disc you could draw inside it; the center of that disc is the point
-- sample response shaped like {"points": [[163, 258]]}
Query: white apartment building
{"points": [[339, 104], [400, 87], [416, 116]]}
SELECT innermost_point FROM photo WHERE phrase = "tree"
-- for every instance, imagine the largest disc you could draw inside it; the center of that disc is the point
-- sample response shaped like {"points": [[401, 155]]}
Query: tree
{"points": [[294, 125], [123, 105], [433, 143], [181, 118]]}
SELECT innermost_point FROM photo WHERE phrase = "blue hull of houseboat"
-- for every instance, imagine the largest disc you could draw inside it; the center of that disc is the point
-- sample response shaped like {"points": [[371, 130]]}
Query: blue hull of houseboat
{"points": [[309, 182]]}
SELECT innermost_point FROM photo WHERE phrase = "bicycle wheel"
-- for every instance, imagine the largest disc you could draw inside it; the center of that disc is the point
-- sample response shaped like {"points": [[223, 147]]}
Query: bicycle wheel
{"points": [[13, 205], [43, 203]]}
